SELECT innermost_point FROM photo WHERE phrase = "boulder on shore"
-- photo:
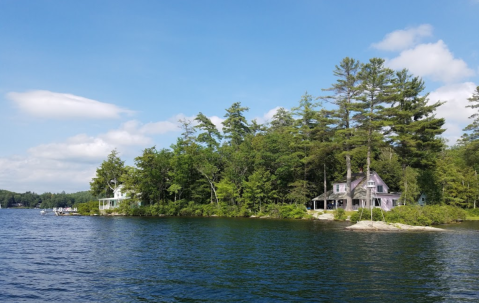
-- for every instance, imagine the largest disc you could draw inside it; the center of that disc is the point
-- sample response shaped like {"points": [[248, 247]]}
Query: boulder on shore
{"points": [[321, 216], [383, 226]]}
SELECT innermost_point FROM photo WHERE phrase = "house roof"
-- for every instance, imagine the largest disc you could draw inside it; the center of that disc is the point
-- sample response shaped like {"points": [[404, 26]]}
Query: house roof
{"points": [[354, 177]]}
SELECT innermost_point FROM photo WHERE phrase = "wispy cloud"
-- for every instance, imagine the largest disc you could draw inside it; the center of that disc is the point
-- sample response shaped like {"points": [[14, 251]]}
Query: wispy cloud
{"points": [[52, 105], [404, 38]]}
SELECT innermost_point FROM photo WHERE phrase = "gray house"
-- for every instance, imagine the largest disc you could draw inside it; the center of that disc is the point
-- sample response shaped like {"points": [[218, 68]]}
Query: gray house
{"points": [[336, 198]]}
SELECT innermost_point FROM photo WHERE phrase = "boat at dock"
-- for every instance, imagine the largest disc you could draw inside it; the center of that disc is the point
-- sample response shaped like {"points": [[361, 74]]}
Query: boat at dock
{"points": [[65, 211]]}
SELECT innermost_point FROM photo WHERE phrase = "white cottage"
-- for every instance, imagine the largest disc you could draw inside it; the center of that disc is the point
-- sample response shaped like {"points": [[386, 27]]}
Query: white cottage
{"points": [[336, 198], [110, 203]]}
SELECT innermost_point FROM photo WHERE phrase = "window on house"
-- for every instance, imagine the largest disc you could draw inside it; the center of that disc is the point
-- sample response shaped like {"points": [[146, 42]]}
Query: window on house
{"points": [[423, 199], [395, 202], [380, 188], [337, 188]]}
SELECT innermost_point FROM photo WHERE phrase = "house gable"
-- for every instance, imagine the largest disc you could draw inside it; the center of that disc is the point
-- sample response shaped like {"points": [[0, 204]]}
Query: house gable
{"points": [[340, 187]]}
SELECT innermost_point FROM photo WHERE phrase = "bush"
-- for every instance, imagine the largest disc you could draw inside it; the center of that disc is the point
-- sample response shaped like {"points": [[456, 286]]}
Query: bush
{"points": [[473, 212], [292, 211], [88, 208], [364, 214], [425, 215], [340, 214]]}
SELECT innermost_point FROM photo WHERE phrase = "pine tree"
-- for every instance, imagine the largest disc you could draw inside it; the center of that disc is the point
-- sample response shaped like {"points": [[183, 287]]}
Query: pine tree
{"points": [[376, 85], [108, 175], [346, 91], [210, 135], [414, 129], [473, 128], [235, 127]]}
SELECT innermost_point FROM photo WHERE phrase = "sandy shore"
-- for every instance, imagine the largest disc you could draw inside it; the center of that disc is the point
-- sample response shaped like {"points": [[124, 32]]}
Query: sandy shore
{"points": [[383, 226]]}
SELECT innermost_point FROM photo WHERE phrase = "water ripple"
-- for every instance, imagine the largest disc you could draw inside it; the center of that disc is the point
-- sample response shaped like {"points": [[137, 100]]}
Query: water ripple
{"points": [[98, 259]]}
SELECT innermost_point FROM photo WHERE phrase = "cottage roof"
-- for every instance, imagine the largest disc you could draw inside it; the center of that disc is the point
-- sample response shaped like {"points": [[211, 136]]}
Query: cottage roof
{"points": [[354, 177]]}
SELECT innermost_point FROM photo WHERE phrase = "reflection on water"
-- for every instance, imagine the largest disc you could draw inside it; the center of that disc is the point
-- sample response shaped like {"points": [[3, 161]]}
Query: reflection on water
{"points": [[48, 258]]}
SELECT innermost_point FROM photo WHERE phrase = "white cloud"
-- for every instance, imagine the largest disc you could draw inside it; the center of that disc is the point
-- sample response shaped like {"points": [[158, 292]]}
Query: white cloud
{"points": [[21, 174], [454, 110], [432, 60], [218, 122], [403, 39], [267, 117], [163, 127], [70, 165], [80, 148], [46, 104]]}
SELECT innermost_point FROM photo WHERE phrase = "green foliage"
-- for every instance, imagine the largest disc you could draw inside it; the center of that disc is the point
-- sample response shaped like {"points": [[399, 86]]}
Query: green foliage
{"points": [[45, 200], [287, 211], [414, 128], [409, 186], [340, 214], [473, 128], [388, 167], [88, 208], [108, 175], [364, 214], [380, 119], [426, 215], [235, 126], [473, 212]]}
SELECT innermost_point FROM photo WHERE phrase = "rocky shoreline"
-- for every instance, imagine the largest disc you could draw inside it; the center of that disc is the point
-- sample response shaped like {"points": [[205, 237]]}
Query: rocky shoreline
{"points": [[383, 226]]}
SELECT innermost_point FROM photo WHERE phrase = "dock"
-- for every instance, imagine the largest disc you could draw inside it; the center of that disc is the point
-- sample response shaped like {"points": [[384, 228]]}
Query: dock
{"points": [[65, 211]]}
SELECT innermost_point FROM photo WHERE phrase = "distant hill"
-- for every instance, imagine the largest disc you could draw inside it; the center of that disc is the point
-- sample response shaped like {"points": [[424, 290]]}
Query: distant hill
{"points": [[45, 200]]}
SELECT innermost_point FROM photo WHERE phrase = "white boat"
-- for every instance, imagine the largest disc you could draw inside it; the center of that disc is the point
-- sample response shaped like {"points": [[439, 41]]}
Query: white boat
{"points": [[43, 212]]}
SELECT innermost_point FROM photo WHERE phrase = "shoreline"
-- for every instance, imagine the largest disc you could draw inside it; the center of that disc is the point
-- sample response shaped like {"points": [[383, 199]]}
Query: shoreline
{"points": [[384, 226]]}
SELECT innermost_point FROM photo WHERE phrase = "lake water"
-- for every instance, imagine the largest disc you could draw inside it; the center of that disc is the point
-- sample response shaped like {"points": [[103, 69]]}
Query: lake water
{"points": [[122, 259]]}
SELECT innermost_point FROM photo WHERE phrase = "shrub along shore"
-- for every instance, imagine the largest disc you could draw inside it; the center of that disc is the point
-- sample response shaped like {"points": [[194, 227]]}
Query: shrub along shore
{"points": [[184, 208], [409, 214]]}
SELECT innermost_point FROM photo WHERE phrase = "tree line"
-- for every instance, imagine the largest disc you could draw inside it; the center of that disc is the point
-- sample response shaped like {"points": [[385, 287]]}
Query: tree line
{"points": [[45, 200], [370, 118]]}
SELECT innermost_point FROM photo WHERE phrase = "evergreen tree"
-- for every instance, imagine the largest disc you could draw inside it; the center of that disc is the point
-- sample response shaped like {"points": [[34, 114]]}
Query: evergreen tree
{"points": [[302, 132], [414, 130], [376, 90], [108, 175], [473, 128], [409, 186], [346, 92], [151, 176], [235, 126], [210, 135]]}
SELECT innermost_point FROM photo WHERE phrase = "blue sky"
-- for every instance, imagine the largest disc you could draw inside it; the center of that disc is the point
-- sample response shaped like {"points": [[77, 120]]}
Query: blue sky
{"points": [[79, 78]]}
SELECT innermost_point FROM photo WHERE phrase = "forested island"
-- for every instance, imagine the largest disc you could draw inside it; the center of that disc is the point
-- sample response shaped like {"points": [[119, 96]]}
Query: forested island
{"points": [[371, 118]]}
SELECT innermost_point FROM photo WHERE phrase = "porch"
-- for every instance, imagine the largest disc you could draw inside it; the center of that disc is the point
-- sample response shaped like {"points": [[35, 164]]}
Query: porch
{"points": [[385, 204], [109, 203]]}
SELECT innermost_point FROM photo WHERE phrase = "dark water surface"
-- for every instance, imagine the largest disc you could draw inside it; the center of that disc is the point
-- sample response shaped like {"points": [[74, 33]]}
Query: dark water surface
{"points": [[119, 259]]}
